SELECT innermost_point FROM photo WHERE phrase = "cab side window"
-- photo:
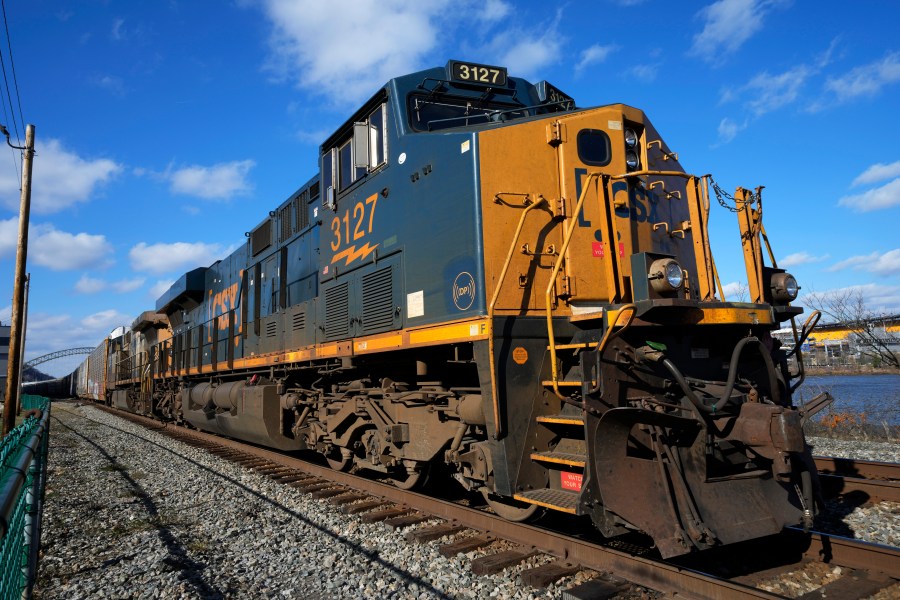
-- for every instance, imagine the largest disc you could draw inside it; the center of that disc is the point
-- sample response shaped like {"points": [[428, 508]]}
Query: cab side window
{"points": [[362, 150]]}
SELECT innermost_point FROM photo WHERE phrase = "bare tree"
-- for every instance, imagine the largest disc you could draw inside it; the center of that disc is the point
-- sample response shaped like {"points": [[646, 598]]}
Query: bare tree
{"points": [[847, 308]]}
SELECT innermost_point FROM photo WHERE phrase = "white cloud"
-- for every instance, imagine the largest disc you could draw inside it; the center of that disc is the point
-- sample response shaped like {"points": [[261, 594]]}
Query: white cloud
{"points": [[112, 84], [127, 285], [887, 263], [736, 291], [771, 92], [878, 172], [801, 258], [176, 257], [494, 10], [644, 73], [594, 55], [9, 234], [90, 285], [389, 37], [63, 251], [728, 130], [727, 25], [49, 333], [885, 196], [866, 80], [879, 298], [160, 287], [528, 52], [106, 320], [61, 177], [218, 182], [57, 250], [118, 32]]}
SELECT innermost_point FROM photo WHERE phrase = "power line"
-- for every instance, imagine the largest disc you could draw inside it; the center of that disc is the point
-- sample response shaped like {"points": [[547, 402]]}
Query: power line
{"points": [[12, 112], [11, 63], [17, 165]]}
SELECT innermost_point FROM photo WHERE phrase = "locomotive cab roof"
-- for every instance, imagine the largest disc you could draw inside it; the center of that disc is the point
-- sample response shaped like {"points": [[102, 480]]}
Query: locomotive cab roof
{"points": [[460, 95]]}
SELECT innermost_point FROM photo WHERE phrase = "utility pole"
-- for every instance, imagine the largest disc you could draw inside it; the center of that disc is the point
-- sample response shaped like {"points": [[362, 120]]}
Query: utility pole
{"points": [[17, 333]]}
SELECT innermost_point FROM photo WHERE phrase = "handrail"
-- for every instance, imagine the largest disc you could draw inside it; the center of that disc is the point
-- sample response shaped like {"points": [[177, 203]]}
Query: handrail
{"points": [[498, 428], [554, 378], [703, 258]]}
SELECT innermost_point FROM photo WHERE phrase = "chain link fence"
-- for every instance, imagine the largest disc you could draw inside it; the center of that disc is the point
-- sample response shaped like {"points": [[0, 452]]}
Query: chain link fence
{"points": [[23, 474]]}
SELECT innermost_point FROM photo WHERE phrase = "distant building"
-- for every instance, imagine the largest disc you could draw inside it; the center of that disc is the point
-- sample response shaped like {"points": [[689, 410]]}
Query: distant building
{"points": [[836, 345], [4, 359]]}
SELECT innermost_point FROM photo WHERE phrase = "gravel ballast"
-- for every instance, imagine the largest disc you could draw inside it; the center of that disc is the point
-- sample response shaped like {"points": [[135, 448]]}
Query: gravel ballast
{"points": [[131, 513]]}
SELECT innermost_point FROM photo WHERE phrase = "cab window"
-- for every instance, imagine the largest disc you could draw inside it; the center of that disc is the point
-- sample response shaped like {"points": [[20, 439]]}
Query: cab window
{"points": [[362, 150]]}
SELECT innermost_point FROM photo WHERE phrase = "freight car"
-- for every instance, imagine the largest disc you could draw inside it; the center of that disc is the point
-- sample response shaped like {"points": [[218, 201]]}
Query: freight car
{"points": [[485, 276]]}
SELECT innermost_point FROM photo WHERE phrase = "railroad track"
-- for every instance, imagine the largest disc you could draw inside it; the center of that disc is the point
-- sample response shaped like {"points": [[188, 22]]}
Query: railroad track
{"points": [[878, 481], [866, 567]]}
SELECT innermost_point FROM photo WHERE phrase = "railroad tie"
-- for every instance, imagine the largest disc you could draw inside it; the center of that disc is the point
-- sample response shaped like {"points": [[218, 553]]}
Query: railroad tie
{"points": [[595, 589], [544, 575], [435, 532], [329, 493], [352, 509], [465, 545], [407, 520], [494, 563], [346, 498], [381, 515]]}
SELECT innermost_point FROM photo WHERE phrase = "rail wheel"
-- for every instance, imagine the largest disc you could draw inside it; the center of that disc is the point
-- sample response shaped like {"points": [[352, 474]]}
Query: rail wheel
{"points": [[511, 510], [338, 461], [413, 477]]}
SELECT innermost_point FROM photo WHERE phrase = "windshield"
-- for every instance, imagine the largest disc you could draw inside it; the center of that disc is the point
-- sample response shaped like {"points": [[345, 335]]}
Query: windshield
{"points": [[427, 113]]}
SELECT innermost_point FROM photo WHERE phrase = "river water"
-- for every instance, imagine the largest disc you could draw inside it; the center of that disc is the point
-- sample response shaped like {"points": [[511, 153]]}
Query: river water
{"points": [[876, 396]]}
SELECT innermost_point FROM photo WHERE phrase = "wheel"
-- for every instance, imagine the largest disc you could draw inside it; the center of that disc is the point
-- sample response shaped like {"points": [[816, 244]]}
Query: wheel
{"points": [[337, 461], [414, 477], [509, 509]]}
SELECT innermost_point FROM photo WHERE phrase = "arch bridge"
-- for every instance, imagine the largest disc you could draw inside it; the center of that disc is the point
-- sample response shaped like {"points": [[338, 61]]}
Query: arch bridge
{"points": [[58, 354]]}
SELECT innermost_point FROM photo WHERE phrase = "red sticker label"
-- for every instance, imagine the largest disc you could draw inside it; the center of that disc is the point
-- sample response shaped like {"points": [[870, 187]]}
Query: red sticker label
{"points": [[621, 249], [597, 249], [570, 481]]}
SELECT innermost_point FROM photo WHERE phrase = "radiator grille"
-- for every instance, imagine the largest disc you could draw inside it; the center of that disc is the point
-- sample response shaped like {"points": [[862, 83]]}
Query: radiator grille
{"points": [[287, 224], [261, 238], [337, 312], [378, 300], [271, 329], [301, 210], [298, 321]]}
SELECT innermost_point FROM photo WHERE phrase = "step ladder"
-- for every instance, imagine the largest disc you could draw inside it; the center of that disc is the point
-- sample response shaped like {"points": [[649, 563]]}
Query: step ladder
{"points": [[565, 464]]}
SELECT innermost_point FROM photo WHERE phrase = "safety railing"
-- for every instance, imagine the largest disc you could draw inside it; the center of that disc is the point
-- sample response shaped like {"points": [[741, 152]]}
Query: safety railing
{"points": [[23, 474], [698, 209]]}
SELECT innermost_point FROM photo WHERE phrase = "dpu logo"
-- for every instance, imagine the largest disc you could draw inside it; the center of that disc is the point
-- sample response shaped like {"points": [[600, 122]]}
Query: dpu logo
{"points": [[464, 291]]}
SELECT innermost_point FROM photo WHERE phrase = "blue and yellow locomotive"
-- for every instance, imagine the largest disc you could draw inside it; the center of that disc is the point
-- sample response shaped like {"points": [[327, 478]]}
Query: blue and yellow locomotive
{"points": [[486, 276]]}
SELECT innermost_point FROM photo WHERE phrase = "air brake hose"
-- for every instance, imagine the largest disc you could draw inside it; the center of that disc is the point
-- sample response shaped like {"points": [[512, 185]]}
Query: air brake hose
{"points": [[732, 376]]}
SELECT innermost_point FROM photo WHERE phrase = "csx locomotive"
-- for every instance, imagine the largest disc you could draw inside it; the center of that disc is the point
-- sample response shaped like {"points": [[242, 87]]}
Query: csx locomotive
{"points": [[485, 276]]}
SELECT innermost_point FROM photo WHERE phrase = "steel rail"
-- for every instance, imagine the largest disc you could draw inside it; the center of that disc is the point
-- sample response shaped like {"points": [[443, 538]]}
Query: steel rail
{"points": [[866, 469], [878, 481], [856, 554], [679, 582]]}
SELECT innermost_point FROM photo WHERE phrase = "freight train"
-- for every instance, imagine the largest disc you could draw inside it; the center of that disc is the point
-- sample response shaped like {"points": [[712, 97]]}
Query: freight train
{"points": [[485, 277]]}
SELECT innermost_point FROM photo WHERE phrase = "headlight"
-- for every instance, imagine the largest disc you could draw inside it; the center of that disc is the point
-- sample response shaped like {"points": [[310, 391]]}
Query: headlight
{"points": [[631, 138], [666, 276], [784, 287], [631, 160]]}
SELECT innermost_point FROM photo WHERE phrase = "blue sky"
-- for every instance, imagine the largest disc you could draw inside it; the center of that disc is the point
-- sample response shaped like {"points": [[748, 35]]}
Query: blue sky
{"points": [[165, 130]]}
